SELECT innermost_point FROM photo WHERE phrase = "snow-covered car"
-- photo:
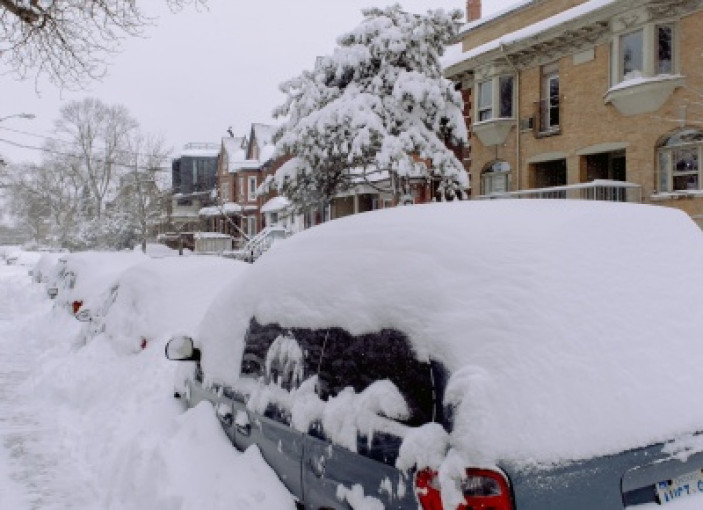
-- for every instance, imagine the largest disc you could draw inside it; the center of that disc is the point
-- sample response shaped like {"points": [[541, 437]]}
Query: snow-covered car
{"points": [[157, 296], [505, 355], [78, 279]]}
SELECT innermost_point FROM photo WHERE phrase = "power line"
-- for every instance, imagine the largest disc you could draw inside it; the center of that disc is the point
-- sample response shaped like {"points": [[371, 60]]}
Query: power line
{"points": [[65, 142], [70, 155]]}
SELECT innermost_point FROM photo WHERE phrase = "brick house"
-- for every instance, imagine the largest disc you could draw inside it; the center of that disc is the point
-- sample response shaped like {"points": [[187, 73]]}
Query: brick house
{"points": [[585, 99], [244, 163]]}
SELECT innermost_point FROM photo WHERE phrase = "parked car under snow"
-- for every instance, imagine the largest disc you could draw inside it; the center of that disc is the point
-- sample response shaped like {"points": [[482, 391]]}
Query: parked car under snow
{"points": [[511, 355]]}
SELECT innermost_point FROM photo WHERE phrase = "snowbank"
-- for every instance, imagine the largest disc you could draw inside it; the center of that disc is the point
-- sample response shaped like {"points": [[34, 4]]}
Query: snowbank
{"points": [[96, 428], [557, 319]]}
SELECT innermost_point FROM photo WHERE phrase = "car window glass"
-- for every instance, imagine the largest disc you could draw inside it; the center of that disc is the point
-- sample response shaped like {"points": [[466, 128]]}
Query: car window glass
{"points": [[358, 361], [284, 362], [292, 354]]}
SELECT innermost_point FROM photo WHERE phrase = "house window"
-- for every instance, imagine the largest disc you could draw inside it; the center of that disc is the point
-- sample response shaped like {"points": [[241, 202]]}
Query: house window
{"points": [[495, 98], [241, 189], [665, 49], [485, 100], [505, 97], [225, 192], [679, 162], [549, 101], [251, 226], [494, 178], [632, 58], [252, 188], [646, 52]]}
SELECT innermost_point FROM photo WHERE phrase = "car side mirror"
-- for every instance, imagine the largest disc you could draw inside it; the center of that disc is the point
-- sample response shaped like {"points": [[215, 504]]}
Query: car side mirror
{"points": [[181, 348], [84, 315]]}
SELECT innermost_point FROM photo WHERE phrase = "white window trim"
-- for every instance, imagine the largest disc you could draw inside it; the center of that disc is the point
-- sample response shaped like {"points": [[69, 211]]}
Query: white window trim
{"points": [[495, 104], [251, 225], [224, 192], [669, 172], [251, 189], [649, 51]]}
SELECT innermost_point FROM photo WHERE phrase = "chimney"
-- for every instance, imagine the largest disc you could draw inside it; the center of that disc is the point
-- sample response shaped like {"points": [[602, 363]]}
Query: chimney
{"points": [[473, 10]]}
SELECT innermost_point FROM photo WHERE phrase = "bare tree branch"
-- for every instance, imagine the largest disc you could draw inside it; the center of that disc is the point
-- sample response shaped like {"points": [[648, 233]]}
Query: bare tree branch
{"points": [[69, 41]]}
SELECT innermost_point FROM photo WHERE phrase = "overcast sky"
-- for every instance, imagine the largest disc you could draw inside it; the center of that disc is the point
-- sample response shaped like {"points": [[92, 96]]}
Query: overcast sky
{"points": [[198, 72]]}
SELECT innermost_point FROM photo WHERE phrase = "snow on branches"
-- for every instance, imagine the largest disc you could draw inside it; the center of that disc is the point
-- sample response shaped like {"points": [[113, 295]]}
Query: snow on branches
{"points": [[376, 112]]}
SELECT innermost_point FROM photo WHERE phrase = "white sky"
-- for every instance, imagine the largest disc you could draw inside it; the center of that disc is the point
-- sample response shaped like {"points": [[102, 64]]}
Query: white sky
{"points": [[197, 73]]}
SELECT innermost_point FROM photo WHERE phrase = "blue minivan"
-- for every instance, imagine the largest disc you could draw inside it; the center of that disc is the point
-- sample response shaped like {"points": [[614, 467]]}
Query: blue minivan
{"points": [[499, 355]]}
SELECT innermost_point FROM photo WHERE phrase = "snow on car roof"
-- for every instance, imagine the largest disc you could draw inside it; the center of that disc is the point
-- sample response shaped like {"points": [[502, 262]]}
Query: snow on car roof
{"points": [[571, 328]]}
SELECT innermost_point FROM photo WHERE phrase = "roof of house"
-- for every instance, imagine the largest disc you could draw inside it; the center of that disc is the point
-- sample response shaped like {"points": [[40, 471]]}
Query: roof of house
{"points": [[275, 204], [492, 17], [262, 135], [200, 149], [527, 32]]}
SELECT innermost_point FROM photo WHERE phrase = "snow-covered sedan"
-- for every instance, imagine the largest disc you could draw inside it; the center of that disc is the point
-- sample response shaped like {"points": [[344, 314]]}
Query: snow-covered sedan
{"points": [[505, 355]]}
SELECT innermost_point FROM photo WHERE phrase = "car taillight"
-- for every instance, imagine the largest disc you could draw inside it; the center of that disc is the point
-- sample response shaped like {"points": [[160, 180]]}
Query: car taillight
{"points": [[427, 490], [485, 490]]}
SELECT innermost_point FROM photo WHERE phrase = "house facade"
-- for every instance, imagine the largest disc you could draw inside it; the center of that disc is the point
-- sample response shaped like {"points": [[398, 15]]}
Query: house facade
{"points": [[585, 99], [244, 164]]}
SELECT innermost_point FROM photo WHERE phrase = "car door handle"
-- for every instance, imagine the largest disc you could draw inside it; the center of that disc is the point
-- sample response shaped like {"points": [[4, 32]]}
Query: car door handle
{"points": [[317, 466], [242, 424], [224, 413]]}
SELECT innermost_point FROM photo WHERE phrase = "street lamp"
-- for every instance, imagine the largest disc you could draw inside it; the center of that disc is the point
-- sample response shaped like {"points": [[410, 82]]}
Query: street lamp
{"points": [[19, 116]]}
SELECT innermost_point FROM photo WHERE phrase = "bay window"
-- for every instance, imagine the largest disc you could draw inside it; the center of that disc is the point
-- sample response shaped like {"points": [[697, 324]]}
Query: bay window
{"points": [[495, 98], [485, 100], [645, 71], [645, 53]]}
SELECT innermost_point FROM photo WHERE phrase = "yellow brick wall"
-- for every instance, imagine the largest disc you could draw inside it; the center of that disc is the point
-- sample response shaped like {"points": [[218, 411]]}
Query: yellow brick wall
{"points": [[586, 120], [540, 10]]}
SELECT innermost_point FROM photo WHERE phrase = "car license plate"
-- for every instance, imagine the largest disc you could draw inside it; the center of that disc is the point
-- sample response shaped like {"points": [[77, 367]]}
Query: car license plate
{"points": [[684, 485]]}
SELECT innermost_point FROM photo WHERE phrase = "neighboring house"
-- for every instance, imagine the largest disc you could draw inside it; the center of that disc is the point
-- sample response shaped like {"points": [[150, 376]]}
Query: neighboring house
{"points": [[194, 180], [586, 99], [244, 165]]}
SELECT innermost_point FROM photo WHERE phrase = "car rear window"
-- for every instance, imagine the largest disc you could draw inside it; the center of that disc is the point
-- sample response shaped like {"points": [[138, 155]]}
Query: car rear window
{"points": [[343, 360]]}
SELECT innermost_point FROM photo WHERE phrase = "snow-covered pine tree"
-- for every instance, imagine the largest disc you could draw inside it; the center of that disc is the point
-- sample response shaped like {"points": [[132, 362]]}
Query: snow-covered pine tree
{"points": [[377, 111]]}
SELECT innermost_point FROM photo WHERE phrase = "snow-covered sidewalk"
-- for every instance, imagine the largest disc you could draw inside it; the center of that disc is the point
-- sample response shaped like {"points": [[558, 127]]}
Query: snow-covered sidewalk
{"points": [[34, 472], [85, 427]]}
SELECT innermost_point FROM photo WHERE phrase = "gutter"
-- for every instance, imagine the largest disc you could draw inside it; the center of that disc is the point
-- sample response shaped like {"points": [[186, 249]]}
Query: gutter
{"points": [[517, 114]]}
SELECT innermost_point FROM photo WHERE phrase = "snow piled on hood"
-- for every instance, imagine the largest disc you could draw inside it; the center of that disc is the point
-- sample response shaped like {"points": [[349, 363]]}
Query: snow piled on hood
{"points": [[557, 319]]}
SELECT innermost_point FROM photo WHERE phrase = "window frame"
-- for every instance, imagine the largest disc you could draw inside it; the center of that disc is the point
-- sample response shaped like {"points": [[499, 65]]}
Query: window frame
{"points": [[251, 188], [550, 104], [251, 225], [651, 49], [484, 111], [495, 88], [668, 175], [493, 174], [224, 191]]}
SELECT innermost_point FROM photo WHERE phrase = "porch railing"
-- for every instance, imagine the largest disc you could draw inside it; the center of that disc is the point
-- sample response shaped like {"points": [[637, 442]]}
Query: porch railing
{"points": [[612, 191]]}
